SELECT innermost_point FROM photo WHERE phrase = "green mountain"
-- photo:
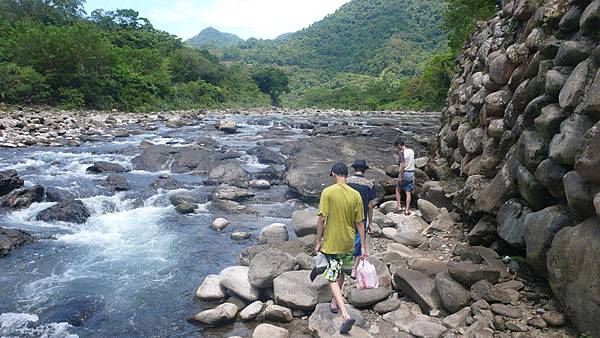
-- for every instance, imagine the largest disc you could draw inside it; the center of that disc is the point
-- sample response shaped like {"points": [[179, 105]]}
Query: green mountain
{"points": [[362, 36], [211, 38]]}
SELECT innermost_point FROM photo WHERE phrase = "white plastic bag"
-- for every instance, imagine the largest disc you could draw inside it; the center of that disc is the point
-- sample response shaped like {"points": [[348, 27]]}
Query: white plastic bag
{"points": [[366, 275]]}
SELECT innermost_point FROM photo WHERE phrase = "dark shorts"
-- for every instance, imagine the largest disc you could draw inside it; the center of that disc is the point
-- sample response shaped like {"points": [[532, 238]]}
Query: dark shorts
{"points": [[357, 246], [407, 182], [337, 264]]}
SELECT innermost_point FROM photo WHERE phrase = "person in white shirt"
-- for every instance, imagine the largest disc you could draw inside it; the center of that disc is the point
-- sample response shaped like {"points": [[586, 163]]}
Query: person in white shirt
{"points": [[406, 177]]}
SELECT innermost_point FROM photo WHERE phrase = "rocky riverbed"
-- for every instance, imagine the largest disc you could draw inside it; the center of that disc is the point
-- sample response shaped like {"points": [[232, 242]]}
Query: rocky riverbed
{"points": [[205, 226]]}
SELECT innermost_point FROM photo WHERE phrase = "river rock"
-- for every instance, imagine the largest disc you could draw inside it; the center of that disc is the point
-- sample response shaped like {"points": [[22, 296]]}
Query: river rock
{"points": [[564, 146], [443, 222], [453, 295], [571, 53], [532, 190], [362, 298], [228, 126], [104, 167], [468, 273], [270, 331], [56, 194], [274, 233], [548, 123], [9, 181], [266, 155], [268, 265], [574, 89], [13, 238], [591, 102], [587, 160], [501, 69], [305, 221], [382, 220], [278, 314], [219, 316], [219, 224], [295, 290], [540, 228], [116, 183], [551, 175], [71, 211], [490, 293], [294, 247], [484, 232], [506, 310], [418, 287], [426, 329], [230, 173], [260, 184], [387, 305], [405, 316], [154, 158], [554, 318], [428, 210], [235, 279], [324, 323], [252, 311], [210, 289], [22, 198], [166, 182], [573, 273], [231, 193]]}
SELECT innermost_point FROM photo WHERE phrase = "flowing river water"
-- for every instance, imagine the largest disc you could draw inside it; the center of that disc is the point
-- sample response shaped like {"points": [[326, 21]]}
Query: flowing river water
{"points": [[132, 269]]}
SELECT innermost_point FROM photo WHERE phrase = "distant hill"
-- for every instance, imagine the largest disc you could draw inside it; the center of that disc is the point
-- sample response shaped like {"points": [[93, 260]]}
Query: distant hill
{"points": [[362, 36], [212, 38]]}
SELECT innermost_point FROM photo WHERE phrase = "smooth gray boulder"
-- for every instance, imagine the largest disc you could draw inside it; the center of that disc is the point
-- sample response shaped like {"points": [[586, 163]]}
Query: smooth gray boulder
{"points": [[274, 233], [511, 219], [235, 279], [270, 331], [268, 265], [9, 181], [587, 160], [230, 173], [305, 221], [580, 194], [324, 323], [11, 239], [428, 210], [22, 198], [362, 298], [295, 290], [251, 311], [210, 289], [564, 146], [418, 287], [468, 273], [277, 313], [453, 295], [219, 316], [231, 193]]}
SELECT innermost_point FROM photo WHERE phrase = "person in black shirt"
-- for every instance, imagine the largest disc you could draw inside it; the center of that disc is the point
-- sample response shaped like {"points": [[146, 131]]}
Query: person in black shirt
{"points": [[364, 187]]}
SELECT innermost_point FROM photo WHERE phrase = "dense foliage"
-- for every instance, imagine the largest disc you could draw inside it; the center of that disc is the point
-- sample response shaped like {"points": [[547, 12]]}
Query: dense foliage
{"points": [[369, 54], [51, 53], [213, 40]]}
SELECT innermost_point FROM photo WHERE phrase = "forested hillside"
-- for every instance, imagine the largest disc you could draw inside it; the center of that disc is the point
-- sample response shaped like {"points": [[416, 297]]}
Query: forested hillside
{"points": [[211, 38], [362, 36]]}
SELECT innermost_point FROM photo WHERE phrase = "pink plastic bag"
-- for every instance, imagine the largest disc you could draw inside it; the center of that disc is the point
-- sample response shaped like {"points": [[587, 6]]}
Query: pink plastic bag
{"points": [[366, 275]]}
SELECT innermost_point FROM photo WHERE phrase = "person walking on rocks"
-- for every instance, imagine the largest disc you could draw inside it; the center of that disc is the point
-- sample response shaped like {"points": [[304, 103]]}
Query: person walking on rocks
{"points": [[364, 187], [340, 214], [406, 176]]}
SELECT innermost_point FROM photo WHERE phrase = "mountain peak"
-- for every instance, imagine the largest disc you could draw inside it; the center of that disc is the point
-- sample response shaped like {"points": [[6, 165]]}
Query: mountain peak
{"points": [[212, 37]]}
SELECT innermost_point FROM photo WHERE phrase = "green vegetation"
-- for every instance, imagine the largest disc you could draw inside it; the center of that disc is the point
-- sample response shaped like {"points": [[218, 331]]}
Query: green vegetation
{"points": [[51, 54], [369, 54]]}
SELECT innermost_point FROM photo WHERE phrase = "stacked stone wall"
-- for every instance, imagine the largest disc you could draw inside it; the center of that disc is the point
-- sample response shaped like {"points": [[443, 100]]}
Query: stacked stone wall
{"points": [[522, 130]]}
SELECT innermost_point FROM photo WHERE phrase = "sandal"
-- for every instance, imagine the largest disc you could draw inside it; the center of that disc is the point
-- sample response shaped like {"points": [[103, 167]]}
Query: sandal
{"points": [[347, 325], [333, 309]]}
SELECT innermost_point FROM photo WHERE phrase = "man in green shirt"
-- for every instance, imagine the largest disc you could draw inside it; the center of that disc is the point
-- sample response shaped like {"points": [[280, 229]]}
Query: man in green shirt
{"points": [[340, 214]]}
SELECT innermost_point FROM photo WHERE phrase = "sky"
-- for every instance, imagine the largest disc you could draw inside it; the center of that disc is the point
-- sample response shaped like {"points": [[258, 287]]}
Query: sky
{"points": [[264, 19]]}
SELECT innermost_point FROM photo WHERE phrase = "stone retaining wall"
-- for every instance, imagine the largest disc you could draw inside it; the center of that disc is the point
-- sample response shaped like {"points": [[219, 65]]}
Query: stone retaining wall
{"points": [[521, 130]]}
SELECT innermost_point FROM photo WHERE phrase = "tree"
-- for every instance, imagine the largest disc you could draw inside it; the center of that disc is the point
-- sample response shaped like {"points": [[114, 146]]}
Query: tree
{"points": [[461, 16], [272, 81]]}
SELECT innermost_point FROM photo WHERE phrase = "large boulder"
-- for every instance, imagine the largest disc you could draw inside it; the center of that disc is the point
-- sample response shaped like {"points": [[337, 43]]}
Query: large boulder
{"points": [[591, 103], [295, 247], [274, 233], [305, 221], [324, 323], [564, 146], [580, 194], [587, 160], [9, 181], [270, 331], [230, 173], [227, 126], [532, 190], [251, 311], [268, 265], [210, 289], [11, 239], [590, 18], [469, 273], [453, 295], [22, 198], [295, 290], [266, 155], [574, 273], [418, 287], [540, 228], [428, 210], [154, 158], [511, 222], [56, 194], [362, 298], [531, 149], [105, 167], [71, 211], [574, 89], [571, 53], [235, 279], [551, 175], [219, 316], [277, 313], [231, 193], [501, 69], [115, 183]]}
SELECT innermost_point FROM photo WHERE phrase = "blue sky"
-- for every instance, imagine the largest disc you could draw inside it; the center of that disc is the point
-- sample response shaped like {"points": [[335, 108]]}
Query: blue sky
{"points": [[247, 18]]}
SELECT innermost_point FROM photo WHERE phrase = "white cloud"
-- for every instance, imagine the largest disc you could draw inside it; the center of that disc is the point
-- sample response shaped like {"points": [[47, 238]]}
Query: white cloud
{"points": [[247, 18]]}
